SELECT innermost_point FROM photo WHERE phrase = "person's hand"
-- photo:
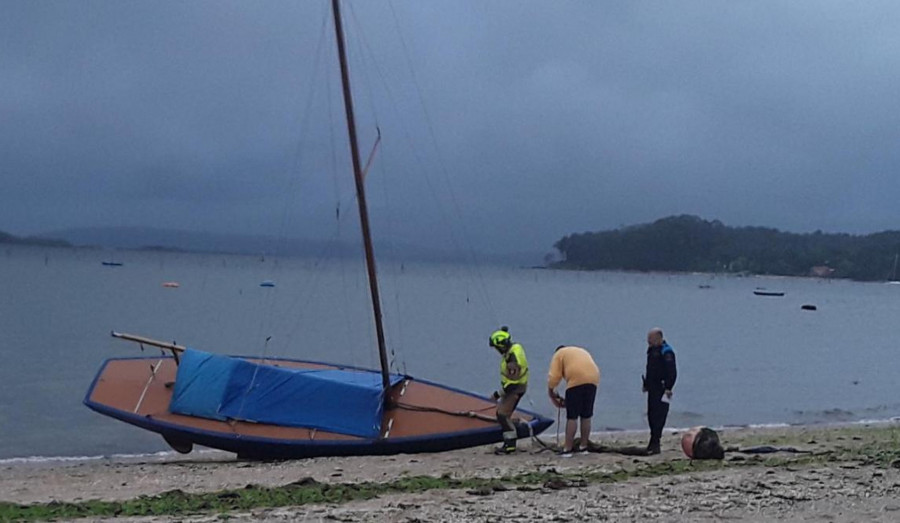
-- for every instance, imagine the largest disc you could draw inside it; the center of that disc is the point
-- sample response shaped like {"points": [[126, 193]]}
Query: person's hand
{"points": [[495, 395], [669, 394], [557, 400]]}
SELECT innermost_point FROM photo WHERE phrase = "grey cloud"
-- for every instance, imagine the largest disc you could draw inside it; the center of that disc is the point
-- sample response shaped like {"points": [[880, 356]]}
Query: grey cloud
{"points": [[550, 118]]}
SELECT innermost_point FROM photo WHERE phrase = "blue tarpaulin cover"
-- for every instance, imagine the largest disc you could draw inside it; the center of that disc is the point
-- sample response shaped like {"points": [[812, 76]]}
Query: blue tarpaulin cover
{"points": [[222, 387]]}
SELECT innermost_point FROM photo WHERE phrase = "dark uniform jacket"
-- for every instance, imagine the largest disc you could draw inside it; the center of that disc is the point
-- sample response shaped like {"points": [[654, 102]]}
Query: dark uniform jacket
{"points": [[661, 369]]}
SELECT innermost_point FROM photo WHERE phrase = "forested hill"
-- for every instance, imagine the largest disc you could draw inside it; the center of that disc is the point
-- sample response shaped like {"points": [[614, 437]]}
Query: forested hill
{"points": [[9, 238], [691, 244]]}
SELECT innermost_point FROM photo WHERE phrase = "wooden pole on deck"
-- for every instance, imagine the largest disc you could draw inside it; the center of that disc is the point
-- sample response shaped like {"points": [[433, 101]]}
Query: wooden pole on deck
{"points": [[176, 349]]}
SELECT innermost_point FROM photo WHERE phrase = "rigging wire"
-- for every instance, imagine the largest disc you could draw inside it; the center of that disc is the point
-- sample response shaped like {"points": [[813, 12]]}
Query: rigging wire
{"points": [[336, 187], [298, 158], [443, 168], [396, 342], [250, 385], [478, 280], [327, 250], [301, 164], [364, 80]]}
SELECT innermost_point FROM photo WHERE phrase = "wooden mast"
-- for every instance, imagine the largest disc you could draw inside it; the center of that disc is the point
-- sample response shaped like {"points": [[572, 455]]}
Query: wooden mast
{"points": [[361, 194]]}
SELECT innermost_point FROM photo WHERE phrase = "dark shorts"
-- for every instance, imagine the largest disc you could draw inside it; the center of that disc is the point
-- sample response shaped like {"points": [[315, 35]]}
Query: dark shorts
{"points": [[580, 401]]}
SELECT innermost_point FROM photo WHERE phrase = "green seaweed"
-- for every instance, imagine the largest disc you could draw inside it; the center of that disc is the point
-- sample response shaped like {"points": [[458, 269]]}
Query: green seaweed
{"points": [[878, 447]]}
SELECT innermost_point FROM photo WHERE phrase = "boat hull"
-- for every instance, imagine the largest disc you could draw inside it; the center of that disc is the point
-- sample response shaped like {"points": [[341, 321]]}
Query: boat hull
{"points": [[424, 417]]}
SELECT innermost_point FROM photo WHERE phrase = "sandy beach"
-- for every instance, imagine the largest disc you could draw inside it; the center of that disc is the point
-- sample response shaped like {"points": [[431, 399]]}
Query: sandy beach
{"points": [[850, 473]]}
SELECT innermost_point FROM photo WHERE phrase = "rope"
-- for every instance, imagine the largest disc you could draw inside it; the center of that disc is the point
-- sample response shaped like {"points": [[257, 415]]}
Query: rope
{"points": [[558, 414], [538, 440], [460, 413], [475, 414]]}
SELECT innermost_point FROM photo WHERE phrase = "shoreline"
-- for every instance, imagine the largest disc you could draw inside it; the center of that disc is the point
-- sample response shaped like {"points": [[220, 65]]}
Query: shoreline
{"points": [[840, 455], [606, 433]]}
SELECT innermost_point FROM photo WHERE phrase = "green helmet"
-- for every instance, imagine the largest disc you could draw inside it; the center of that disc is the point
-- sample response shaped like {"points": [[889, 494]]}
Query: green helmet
{"points": [[500, 338]]}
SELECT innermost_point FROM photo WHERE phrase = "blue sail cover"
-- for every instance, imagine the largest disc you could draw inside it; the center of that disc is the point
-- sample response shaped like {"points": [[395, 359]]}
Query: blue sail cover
{"points": [[222, 387]]}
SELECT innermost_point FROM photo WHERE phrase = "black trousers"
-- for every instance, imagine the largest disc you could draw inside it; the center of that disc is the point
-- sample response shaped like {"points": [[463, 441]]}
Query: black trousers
{"points": [[657, 411]]}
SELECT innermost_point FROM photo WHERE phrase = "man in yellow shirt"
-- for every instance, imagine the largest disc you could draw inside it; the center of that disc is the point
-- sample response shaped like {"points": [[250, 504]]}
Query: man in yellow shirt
{"points": [[514, 383], [577, 367]]}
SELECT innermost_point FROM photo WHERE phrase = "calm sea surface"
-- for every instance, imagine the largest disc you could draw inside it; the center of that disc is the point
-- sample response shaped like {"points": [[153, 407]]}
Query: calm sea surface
{"points": [[742, 359]]}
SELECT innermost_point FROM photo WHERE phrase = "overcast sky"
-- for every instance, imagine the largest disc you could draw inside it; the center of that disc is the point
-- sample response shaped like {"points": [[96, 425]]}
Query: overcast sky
{"points": [[510, 123]]}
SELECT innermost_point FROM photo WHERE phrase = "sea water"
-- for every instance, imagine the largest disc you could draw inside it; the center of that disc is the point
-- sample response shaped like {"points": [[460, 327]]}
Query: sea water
{"points": [[742, 359]]}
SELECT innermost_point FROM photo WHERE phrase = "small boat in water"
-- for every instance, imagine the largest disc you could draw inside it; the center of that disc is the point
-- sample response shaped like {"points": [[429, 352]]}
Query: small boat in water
{"points": [[171, 284], [112, 264], [267, 283], [767, 293]]}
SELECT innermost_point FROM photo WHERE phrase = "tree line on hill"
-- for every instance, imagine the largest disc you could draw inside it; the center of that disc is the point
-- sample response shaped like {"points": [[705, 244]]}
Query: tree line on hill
{"points": [[691, 244]]}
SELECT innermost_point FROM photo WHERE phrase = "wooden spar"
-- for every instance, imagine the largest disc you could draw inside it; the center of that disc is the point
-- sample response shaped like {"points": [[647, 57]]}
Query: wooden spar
{"points": [[176, 349], [361, 195], [365, 170]]}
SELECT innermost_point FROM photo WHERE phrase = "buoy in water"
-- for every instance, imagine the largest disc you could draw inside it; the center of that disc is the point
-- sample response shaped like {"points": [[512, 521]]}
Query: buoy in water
{"points": [[808, 307], [171, 284], [267, 283]]}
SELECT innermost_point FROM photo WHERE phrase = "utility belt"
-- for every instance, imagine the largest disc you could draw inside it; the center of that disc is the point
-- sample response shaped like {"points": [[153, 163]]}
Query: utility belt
{"points": [[515, 388]]}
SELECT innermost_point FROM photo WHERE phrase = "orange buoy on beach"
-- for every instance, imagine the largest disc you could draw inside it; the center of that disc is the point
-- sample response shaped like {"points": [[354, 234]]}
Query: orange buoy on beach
{"points": [[171, 284], [702, 443], [687, 441]]}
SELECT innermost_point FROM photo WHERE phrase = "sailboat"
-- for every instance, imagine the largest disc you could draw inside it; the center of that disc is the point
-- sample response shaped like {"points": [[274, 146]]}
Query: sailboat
{"points": [[284, 408]]}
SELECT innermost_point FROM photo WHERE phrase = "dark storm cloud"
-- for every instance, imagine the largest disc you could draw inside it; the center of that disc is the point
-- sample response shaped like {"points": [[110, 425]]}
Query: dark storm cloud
{"points": [[549, 118]]}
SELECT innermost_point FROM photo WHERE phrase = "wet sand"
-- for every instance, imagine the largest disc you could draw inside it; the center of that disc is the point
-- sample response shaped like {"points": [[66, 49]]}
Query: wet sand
{"points": [[748, 488]]}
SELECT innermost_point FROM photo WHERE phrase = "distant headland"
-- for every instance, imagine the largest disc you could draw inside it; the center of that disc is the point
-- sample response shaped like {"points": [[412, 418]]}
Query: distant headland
{"points": [[691, 244], [31, 240], [150, 239]]}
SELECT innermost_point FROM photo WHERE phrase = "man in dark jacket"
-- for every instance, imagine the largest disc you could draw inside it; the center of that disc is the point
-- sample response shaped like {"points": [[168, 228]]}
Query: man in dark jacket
{"points": [[658, 383]]}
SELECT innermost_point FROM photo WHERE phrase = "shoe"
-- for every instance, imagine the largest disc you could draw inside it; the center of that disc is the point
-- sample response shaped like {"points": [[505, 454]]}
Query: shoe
{"points": [[565, 453], [652, 450], [584, 451], [503, 450]]}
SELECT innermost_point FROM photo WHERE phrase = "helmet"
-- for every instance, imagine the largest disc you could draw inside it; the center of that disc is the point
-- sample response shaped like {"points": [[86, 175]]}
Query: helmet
{"points": [[500, 338]]}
